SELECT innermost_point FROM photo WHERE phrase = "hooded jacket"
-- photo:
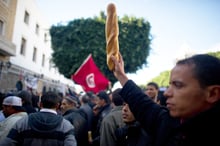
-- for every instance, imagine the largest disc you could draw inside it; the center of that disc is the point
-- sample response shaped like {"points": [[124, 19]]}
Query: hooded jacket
{"points": [[40, 129]]}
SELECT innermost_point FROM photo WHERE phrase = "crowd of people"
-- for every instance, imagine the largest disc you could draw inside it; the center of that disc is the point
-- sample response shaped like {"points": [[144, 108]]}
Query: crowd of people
{"points": [[185, 114]]}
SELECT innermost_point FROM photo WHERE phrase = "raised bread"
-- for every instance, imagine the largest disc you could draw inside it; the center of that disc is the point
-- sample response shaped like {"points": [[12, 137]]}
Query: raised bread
{"points": [[111, 34]]}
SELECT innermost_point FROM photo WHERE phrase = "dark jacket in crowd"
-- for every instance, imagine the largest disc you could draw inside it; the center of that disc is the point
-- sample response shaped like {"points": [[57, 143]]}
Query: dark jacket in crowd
{"points": [[132, 134], [29, 108], [167, 131], [89, 114], [78, 119], [102, 113]]}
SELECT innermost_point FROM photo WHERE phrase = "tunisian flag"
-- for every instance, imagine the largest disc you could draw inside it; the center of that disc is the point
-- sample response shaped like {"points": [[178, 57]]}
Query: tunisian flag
{"points": [[90, 77]]}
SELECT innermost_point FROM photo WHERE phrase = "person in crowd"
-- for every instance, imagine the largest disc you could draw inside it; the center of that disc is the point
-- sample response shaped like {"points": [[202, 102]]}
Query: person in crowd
{"points": [[85, 107], [2, 116], [42, 128], [36, 100], [77, 118], [92, 99], [26, 98], [104, 107], [73, 94], [13, 111], [112, 121], [2, 96], [132, 134], [193, 103], [153, 91]]}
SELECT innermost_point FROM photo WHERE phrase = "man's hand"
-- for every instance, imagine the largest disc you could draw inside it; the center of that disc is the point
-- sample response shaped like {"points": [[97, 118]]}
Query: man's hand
{"points": [[119, 69]]}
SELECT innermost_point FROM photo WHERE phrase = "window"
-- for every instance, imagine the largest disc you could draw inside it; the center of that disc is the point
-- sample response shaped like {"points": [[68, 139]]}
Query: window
{"points": [[45, 37], [50, 64], [6, 2], [26, 17], [1, 27], [43, 60], [37, 29], [34, 58], [23, 46]]}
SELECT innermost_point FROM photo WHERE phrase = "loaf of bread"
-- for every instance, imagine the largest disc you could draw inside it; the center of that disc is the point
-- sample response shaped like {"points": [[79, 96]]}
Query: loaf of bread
{"points": [[111, 34]]}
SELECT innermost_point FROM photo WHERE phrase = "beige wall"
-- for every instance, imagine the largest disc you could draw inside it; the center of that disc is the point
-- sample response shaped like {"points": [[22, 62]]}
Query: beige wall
{"points": [[7, 14]]}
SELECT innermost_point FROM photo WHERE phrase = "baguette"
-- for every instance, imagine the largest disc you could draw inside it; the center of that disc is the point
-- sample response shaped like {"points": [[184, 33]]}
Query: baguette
{"points": [[111, 34]]}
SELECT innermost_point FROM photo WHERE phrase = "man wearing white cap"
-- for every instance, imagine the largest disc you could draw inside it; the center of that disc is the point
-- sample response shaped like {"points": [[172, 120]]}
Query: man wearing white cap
{"points": [[13, 111]]}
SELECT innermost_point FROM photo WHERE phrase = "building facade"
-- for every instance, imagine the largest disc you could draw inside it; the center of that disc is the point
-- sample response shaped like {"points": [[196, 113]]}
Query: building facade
{"points": [[25, 49]]}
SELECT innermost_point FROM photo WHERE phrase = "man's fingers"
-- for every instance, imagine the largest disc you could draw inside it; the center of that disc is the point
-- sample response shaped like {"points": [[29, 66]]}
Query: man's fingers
{"points": [[113, 58]]}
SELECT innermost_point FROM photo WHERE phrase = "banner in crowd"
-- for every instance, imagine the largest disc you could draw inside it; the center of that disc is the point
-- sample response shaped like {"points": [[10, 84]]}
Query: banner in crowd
{"points": [[31, 81], [90, 77]]}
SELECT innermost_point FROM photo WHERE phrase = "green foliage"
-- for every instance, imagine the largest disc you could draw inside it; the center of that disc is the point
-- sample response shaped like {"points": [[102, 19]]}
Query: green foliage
{"points": [[163, 79], [73, 42], [143, 87], [216, 54]]}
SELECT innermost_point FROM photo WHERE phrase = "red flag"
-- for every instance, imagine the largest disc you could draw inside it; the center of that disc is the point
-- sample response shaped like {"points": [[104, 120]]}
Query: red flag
{"points": [[90, 77]]}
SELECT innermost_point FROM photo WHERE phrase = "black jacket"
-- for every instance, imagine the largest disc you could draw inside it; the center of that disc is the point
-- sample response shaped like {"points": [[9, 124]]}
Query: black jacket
{"points": [[89, 114], [166, 131], [101, 115], [132, 134], [80, 125]]}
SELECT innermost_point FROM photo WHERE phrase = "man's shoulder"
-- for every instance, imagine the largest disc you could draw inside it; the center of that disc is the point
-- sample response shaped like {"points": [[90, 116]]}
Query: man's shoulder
{"points": [[65, 121], [113, 116]]}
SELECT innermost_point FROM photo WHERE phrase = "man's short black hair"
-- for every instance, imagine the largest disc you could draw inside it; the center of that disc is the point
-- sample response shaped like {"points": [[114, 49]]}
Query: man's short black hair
{"points": [[104, 95], [206, 68], [50, 99], [153, 84], [116, 97]]}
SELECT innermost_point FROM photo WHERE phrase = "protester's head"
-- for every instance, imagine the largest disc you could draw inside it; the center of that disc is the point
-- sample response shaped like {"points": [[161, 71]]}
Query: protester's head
{"points": [[11, 105], [116, 97], [68, 102], [50, 100], [127, 115], [194, 86], [84, 99], [92, 98], [152, 90], [26, 97], [103, 99]]}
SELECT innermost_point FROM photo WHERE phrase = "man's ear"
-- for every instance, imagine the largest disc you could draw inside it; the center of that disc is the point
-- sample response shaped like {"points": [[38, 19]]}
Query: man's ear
{"points": [[214, 93], [58, 105], [40, 104]]}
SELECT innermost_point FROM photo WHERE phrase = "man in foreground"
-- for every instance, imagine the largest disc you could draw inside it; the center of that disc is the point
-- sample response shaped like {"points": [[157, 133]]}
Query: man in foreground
{"points": [[13, 111], [193, 98]]}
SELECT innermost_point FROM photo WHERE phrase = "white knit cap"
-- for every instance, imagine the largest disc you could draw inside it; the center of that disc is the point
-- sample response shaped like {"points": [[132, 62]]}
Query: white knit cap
{"points": [[12, 100]]}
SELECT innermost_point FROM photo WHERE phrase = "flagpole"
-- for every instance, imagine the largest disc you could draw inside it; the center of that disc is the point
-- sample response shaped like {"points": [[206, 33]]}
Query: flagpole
{"points": [[83, 63], [110, 87]]}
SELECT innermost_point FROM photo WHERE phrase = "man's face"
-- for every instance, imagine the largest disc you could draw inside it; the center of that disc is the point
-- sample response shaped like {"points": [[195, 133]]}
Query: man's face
{"points": [[65, 105], [7, 110], [185, 97], [127, 115], [100, 102], [151, 91]]}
